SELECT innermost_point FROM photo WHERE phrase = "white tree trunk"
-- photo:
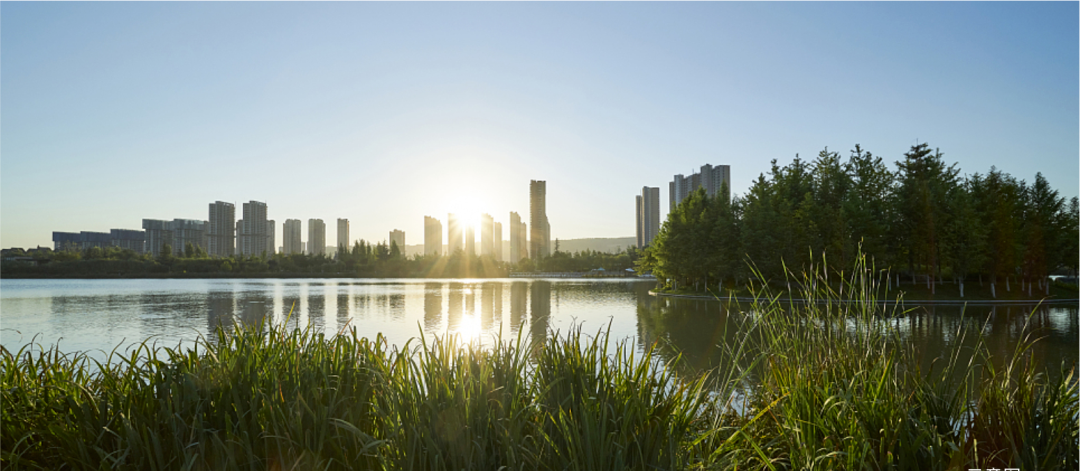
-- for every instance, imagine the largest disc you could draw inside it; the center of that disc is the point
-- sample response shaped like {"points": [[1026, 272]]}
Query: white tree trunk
{"points": [[993, 293], [1007, 284], [961, 287]]}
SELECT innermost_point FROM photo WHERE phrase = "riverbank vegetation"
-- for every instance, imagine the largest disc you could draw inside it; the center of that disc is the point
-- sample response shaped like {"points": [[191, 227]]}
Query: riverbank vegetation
{"points": [[824, 386], [362, 260], [923, 220]]}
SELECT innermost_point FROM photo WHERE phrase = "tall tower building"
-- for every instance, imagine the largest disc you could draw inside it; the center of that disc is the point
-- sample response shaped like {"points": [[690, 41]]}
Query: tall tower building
{"points": [[398, 237], [640, 237], [648, 217], [292, 242], [487, 243], [540, 237], [222, 231], [241, 239], [271, 238], [342, 234], [470, 241], [432, 236], [496, 235], [453, 234], [316, 237], [516, 244], [254, 229]]}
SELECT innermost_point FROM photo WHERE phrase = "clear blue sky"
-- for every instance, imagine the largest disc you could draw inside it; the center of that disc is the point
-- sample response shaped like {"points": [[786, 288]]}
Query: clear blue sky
{"points": [[385, 112]]}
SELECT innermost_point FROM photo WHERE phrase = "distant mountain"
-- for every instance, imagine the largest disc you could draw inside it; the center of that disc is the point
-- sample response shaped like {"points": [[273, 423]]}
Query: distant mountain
{"points": [[600, 245], [611, 245]]}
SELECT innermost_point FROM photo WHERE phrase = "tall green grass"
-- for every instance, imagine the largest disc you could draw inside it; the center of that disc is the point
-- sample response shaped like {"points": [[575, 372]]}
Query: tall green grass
{"points": [[821, 386]]}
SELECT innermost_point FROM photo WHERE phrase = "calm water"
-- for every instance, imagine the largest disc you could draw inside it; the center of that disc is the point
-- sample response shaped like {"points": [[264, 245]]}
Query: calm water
{"points": [[97, 315]]}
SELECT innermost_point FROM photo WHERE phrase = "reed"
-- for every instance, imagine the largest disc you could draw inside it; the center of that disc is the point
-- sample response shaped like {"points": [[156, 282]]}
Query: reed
{"points": [[811, 386]]}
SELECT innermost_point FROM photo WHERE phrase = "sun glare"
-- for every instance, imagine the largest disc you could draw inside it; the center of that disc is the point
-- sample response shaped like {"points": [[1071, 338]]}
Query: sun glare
{"points": [[467, 208]]}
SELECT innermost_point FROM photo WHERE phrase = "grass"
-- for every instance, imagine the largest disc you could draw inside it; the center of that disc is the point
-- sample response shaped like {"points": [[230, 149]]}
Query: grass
{"points": [[828, 386]]}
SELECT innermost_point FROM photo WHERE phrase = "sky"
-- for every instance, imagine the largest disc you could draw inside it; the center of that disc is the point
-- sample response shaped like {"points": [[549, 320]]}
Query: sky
{"points": [[383, 113]]}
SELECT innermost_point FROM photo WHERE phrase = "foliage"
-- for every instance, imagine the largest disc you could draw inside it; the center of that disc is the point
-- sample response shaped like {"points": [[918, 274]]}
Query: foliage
{"points": [[819, 385], [923, 219]]}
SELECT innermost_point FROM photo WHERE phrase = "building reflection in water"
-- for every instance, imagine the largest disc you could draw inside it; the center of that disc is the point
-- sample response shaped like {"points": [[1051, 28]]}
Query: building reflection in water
{"points": [[456, 305], [220, 306], [518, 302], [540, 310], [432, 306], [470, 300], [491, 305], [253, 312], [316, 306], [344, 307]]}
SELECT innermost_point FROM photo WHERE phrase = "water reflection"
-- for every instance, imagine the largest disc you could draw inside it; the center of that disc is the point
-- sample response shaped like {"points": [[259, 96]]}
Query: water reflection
{"points": [[518, 303], [432, 305], [700, 331], [540, 310], [220, 306], [101, 314]]}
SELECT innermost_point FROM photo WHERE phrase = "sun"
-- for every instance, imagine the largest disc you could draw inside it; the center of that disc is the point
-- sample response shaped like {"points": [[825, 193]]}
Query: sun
{"points": [[466, 207]]}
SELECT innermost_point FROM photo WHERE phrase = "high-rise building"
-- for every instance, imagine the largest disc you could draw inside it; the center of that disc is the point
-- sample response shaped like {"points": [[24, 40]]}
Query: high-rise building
{"points": [[519, 247], [432, 236], [343, 233], [540, 237], [176, 233], [128, 239], [222, 230], [292, 242], [715, 178], [316, 237], [241, 239], [487, 244], [65, 241], [453, 233], [124, 238], [157, 235], [271, 235], [398, 237], [712, 178], [497, 241], [470, 241], [253, 230], [648, 216]]}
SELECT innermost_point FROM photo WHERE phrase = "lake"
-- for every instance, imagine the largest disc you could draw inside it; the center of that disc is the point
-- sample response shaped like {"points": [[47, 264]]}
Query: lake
{"points": [[95, 316]]}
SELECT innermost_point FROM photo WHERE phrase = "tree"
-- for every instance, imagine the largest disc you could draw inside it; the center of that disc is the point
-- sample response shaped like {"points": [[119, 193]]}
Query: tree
{"points": [[1071, 236], [726, 251], [166, 255], [997, 196], [926, 185], [868, 206], [965, 236]]}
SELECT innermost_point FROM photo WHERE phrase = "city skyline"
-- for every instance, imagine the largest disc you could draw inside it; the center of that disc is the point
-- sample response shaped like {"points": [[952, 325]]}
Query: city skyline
{"points": [[627, 95]]}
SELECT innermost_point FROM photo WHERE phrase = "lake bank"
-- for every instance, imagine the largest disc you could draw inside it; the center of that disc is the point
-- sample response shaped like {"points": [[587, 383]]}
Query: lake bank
{"points": [[257, 397], [906, 294]]}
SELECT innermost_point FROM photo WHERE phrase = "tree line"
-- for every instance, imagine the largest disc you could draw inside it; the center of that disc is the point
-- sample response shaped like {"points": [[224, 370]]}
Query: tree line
{"points": [[363, 259], [923, 220]]}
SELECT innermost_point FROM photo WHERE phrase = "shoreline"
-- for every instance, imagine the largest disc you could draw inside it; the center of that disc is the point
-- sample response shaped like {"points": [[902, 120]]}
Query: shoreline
{"points": [[195, 276], [943, 302]]}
